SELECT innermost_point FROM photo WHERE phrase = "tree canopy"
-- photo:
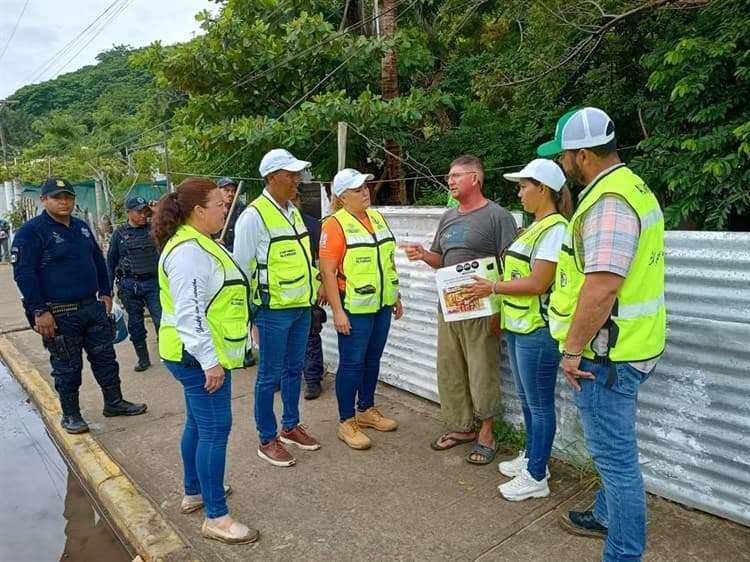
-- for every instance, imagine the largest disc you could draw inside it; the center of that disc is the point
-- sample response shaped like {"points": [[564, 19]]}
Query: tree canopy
{"points": [[488, 78]]}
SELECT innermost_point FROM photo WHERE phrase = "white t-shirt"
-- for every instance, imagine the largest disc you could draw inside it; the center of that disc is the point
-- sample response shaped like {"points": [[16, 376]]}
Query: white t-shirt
{"points": [[548, 246]]}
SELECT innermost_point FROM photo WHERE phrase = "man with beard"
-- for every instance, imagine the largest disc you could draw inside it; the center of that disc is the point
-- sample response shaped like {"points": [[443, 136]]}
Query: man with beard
{"points": [[607, 313]]}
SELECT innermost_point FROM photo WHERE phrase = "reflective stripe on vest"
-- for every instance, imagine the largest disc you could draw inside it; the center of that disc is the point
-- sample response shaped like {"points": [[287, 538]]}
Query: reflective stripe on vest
{"points": [[368, 265], [286, 273], [522, 314], [227, 311], [637, 323]]}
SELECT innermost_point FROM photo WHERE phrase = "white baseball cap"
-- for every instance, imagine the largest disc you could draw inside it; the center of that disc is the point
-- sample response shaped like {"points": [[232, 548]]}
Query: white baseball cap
{"points": [[541, 170], [349, 178], [280, 159], [583, 128]]}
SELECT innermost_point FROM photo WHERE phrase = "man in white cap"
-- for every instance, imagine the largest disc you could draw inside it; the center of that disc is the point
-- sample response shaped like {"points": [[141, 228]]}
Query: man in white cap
{"points": [[607, 313], [272, 246]]}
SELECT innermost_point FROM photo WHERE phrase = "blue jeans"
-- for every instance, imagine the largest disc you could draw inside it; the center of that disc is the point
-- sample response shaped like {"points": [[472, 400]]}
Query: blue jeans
{"points": [[534, 359], [359, 360], [283, 338], [607, 406], [87, 329], [208, 422], [135, 296]]}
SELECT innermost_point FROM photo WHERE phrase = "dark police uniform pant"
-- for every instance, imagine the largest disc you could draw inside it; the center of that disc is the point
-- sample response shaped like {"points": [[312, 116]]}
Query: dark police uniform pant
{"points": [[136, 295], [313, 371], [87, 328]]}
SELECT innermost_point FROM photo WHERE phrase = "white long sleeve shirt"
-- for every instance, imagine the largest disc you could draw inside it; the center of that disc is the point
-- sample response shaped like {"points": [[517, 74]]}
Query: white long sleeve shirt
{"points": [[195, 277]]}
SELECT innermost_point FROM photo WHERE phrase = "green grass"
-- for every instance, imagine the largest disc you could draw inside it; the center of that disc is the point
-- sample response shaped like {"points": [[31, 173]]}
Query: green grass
{"points": [[508, 436]]}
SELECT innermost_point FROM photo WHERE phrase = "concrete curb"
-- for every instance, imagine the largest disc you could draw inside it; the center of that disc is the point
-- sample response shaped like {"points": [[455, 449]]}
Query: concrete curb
{"points": [[136, 519]]}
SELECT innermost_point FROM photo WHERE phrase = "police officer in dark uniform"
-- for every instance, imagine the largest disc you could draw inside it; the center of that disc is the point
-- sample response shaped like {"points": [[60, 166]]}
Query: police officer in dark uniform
{"points": [[228, 190], [314, 368], [133, 261], [61, 273]]}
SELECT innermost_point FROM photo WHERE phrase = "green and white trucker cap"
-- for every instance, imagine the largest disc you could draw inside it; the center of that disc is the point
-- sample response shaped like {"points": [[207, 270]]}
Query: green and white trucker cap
{"points": [[580, 128]]}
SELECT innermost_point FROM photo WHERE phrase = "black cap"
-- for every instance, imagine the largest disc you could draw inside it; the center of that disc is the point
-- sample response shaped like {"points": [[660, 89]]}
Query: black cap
{"points": [[223, 182], [55, 186], [135, 203]]}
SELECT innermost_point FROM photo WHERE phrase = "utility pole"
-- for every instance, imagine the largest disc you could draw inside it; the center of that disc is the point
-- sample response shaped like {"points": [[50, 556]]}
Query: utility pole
{"points": [[3, 103], [166, 159]]}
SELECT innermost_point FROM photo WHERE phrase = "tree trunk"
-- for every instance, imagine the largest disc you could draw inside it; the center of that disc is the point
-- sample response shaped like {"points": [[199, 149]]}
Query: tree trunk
{"points": [[394, 170]]}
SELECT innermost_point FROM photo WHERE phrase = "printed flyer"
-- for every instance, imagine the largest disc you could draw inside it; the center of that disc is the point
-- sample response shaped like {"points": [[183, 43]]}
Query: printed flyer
{"points": [[450, 280]]}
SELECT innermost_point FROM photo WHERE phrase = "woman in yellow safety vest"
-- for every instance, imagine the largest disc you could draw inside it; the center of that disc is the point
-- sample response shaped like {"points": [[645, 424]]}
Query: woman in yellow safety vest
{"points": [[359, 277], [204, 297], [528, 275]]}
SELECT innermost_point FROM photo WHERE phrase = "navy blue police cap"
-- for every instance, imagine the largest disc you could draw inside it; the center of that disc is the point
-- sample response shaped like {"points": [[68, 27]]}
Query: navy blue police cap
{"points": [[55, 186], [135, 203]]}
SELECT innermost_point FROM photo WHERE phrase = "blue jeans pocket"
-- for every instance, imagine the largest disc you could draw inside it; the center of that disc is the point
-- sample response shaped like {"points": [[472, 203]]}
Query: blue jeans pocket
{"points": [[628, 380]]}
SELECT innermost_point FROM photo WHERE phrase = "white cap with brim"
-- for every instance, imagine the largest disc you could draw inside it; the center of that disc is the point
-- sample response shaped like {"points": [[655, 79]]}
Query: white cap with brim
{"points": [[541, 170], [280, 159], [347, 179]]}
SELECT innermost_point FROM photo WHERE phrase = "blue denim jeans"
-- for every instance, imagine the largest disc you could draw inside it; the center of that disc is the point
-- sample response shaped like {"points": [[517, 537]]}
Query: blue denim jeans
{"points": [[87, 329], [608, 406], [534, 359], [136, 296], [208, 421], [359, 360], [282, 338]]}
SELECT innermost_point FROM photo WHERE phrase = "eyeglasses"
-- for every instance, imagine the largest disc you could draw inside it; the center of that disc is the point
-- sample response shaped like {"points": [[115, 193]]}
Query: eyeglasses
{"points": [[456, 175]]}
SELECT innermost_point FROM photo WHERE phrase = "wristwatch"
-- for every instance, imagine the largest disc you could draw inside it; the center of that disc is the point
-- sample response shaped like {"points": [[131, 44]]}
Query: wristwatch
{"points": [[39, 311]]}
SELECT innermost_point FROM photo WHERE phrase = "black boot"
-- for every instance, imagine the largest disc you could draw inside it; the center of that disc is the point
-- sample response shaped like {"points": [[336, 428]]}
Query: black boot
{"points": [[141, 350], [114, 405], [249, 359], [72, 421]]}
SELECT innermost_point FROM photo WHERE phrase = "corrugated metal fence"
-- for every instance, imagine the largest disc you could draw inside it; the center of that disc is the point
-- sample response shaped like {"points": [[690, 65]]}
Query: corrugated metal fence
{"points": [[694, 413]]}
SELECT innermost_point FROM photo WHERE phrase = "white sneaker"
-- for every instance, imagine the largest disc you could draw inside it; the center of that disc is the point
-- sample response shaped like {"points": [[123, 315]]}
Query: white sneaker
{"points": [[513, 467], [523, 487]]}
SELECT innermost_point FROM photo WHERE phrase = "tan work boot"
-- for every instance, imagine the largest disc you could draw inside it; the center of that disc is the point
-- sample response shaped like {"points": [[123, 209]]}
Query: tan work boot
{"points": [[351, 434], [374, 419]]}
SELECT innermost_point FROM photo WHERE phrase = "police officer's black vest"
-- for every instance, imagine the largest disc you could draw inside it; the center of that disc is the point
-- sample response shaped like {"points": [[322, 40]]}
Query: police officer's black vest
{"points": [[142, 257]]}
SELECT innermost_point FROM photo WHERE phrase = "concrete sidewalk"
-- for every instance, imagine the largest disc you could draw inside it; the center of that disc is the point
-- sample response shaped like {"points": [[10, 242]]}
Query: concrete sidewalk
{"points": [[397, 501]]}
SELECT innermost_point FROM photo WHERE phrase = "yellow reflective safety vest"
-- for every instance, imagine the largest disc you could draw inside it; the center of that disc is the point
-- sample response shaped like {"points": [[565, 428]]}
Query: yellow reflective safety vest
{"points": [[368, 266], [637, 323], [286, 274], [227, 311], [523, 314]]}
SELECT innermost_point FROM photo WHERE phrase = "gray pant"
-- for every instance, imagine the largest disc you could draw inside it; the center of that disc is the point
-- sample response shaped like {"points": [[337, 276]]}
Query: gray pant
{"points": [[4, 251]]}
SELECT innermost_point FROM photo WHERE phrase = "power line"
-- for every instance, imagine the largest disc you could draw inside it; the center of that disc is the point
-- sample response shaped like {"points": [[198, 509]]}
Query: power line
{"points": [[41, 70], [15, 27], [109, 20]]}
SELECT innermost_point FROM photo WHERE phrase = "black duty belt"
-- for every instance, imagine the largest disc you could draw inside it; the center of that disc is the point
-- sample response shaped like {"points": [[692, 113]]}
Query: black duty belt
{"points": [[68, 307]]}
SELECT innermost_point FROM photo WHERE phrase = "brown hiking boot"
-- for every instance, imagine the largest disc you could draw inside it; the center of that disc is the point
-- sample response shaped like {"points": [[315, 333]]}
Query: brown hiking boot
{"points": [[275, 453], [351, 434], [374, 419], [299, 436]]}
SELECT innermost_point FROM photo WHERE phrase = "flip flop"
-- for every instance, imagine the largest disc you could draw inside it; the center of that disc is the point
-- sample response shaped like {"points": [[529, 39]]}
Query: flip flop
{"points": [[454, 442], [487, 453]]}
